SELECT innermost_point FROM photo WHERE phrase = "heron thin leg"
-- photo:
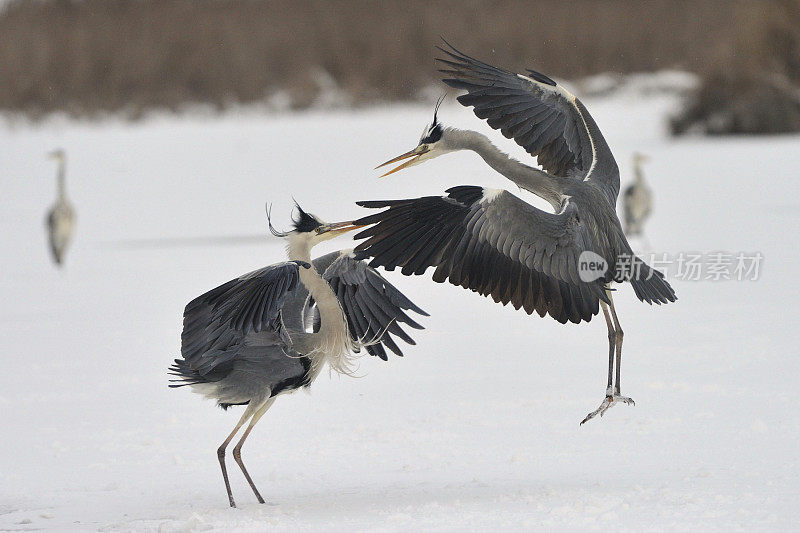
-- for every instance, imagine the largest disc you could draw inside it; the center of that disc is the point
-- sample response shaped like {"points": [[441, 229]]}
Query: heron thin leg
{"points": [[237, 450], [619, 336], [618, 341], [615, 336], [221, 453], [612, 339]]}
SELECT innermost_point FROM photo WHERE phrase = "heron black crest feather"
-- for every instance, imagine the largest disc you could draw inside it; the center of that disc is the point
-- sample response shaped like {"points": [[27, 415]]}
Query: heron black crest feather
{"points": [[435, 131], [272, 229], [304, 223], [434, 134]]}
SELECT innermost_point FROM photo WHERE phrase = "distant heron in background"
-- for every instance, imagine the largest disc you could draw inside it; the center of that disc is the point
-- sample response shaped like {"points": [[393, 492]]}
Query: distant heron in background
{"points": [[637, 200], [248, 340], [61, 217], [493, 243]]}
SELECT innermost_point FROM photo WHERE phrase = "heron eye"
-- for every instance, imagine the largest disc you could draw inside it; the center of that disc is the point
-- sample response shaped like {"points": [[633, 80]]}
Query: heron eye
{"points": [[425, 147]]}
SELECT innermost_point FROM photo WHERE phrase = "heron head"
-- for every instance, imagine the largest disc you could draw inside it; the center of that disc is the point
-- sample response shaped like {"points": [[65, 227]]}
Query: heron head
{"points": [[58, 155], [430, 145], [310, 228]]}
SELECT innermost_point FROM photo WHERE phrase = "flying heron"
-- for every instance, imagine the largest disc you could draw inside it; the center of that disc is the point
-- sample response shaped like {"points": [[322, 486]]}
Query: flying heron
{"points": [[248, 340], [61, 217], [637, 200], [492, 242]]}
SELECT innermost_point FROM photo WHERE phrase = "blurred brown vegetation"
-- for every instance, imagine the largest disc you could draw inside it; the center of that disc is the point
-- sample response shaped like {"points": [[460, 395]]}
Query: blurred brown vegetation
{"points": [[89, 56], [741, 102], [752, 83]]}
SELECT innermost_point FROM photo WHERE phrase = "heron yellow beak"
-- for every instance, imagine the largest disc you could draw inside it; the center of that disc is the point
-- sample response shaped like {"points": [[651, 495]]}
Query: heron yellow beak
{"points": [[337, 228], [413, 154]]}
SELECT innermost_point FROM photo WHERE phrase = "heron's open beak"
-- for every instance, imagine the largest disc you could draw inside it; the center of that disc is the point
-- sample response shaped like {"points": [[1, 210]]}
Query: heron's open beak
{"points": [[338, 228], [413, 154]]}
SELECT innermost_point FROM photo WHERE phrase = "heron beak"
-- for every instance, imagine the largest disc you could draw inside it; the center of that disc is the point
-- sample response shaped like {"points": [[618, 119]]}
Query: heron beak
{"points": [[414, 154], [337, 228]]}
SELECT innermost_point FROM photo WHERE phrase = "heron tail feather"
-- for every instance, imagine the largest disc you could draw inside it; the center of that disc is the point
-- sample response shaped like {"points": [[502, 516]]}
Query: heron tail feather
{"points": [[649, 284]]}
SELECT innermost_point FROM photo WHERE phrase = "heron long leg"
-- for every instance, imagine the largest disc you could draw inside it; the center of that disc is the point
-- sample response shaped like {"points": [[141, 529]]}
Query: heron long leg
{"points": [[618, 342], [615, 336], [612, 339], [237, 450], [221, 452]]}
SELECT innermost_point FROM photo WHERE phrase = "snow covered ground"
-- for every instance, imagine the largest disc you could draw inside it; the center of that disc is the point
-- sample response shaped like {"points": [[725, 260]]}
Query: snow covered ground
{"points": [[476, 427]]}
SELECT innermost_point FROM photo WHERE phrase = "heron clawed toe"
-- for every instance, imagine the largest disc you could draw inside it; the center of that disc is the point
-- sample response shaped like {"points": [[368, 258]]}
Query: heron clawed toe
{"points": [[608, 403], [560, 262]]}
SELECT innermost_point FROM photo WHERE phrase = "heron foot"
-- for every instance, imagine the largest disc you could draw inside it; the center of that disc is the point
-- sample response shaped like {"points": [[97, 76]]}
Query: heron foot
{"points": [[608, 402]]}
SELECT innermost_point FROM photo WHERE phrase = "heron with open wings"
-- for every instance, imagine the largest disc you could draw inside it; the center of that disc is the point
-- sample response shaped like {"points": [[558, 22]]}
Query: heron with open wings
{"points": [[559, 263], [270, 332]]}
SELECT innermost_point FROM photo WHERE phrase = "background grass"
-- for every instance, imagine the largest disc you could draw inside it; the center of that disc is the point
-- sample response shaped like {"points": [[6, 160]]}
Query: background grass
{"points": [[89, 56]]}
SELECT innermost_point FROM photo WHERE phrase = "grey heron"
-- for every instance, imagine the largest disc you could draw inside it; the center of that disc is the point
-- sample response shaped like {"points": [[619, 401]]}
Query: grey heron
{"points": [[248, 340], [61, 217], [637, 200], [492, 242]]}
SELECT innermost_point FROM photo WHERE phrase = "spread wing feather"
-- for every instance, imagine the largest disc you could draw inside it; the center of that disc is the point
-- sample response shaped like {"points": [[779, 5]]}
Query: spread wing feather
{"points": [[490, 242], [218, 325], [545, 119], [373, 307]]}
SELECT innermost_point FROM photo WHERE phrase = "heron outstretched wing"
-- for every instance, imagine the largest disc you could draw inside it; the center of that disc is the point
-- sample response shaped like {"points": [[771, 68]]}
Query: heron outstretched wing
{"points": [[541, 116], [491, 242], [373, 307], [238, 326], [249, 305]]}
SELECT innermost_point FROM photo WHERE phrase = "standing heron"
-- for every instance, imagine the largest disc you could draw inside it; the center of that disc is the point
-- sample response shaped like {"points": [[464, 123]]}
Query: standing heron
{"points": [[248, 340], [637, 200], [61, 217], [493, 243]]}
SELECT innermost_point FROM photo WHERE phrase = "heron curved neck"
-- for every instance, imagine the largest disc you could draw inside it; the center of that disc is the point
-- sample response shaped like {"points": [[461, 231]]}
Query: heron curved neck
{"points": [[300, 250], [638, 174], [531, 179], [332, 342]]}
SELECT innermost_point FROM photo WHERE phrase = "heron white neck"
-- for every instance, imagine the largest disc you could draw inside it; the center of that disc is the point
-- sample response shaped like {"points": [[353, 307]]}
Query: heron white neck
{"points": [[528, 178], [638, 174], [61, 179], [332, 342], [298, 248]]}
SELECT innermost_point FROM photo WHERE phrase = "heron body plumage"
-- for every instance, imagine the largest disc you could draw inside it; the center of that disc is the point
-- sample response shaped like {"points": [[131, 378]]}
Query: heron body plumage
{"points": [[246, 341], [496, 244], [60, 217], [637, 200]]}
